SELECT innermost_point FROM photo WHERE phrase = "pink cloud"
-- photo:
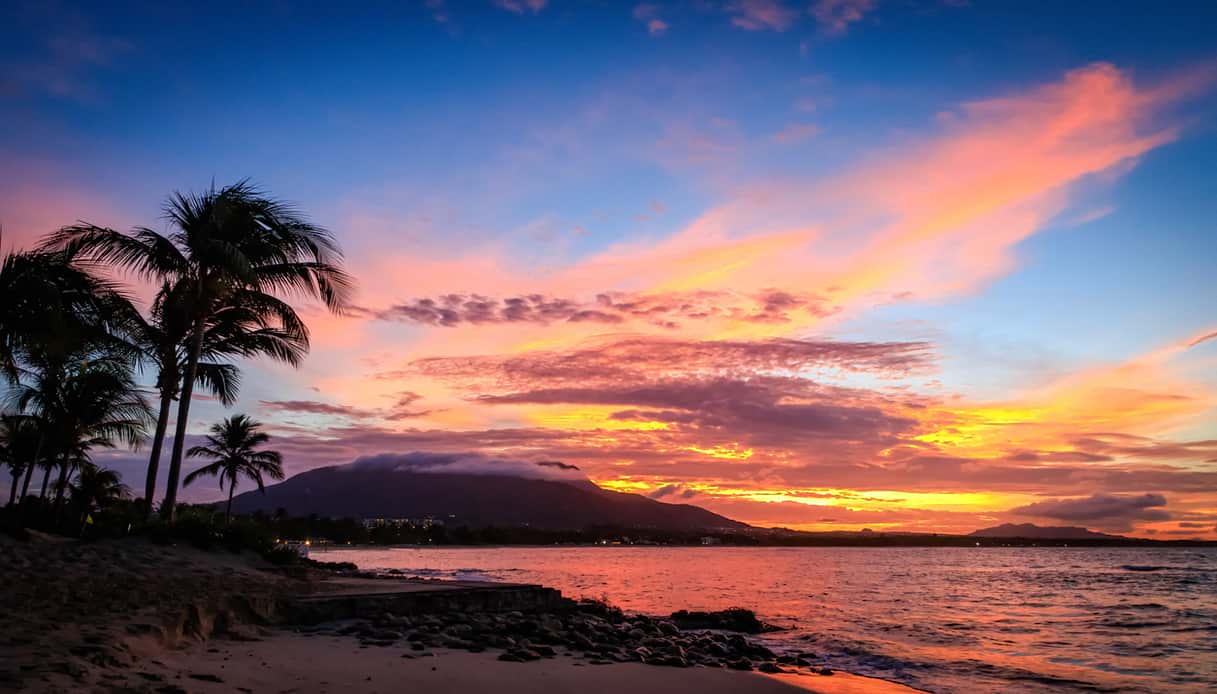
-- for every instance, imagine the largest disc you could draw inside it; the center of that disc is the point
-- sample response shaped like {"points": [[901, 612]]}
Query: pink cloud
{"points": [[904, 222], [759, 15], [835, 16], [648, 14]]}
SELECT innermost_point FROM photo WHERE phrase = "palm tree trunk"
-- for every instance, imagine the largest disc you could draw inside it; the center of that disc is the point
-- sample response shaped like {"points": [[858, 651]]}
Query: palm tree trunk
{"points": [[154, 460], [168, 509], [25, 486], [12, 492], [29, 473], [46, 479], [61, 488], [228, 508]]}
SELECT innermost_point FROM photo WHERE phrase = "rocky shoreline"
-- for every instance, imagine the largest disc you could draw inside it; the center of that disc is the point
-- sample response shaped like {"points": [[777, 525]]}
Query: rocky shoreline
{"points": [[594, 632], [109, 616]]}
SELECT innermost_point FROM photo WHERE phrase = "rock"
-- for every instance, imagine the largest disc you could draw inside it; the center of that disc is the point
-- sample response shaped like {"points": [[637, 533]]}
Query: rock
{"points": [[741, 664], [204, 677], [734, 619], [825, 671], [769, 667], [668, 628], [544, 651], [759, 652]]}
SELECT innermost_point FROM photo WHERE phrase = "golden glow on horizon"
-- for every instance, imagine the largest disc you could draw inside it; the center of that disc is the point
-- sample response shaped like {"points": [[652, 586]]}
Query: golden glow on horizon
{"points": [[586, 418], [732, 452]]}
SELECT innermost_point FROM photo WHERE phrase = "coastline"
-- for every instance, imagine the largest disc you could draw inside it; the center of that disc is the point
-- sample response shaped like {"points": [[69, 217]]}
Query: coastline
{"points": [[134, 616]]}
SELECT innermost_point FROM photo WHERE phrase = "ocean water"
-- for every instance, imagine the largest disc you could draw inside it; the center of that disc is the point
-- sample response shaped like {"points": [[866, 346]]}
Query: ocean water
{"points": [[942, 619]]}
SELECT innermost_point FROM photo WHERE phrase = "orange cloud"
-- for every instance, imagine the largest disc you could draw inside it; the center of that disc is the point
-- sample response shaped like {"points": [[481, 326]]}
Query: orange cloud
{"points": [[932, 217], [645, 363]]}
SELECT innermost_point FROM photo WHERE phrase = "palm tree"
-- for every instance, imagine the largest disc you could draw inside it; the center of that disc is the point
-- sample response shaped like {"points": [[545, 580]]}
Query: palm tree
{"points": [[54, 309], [228, 247], [231, 445], [90, 400], [19, 437], [95, 488], [53, 302], [162, 340]]}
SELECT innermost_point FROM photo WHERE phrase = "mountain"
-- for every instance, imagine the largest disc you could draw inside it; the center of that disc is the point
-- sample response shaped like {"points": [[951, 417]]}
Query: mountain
{"points": [[473, 500], [1030, 531]]}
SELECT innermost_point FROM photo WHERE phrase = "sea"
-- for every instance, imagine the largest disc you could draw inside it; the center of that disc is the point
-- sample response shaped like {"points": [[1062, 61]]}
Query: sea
{"points": [[947, 620]]}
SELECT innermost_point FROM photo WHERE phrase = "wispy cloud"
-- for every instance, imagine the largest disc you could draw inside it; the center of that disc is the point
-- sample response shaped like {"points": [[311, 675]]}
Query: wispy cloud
{"points": [[835, 16], [521, 6], [760, 15], [649, 15]]}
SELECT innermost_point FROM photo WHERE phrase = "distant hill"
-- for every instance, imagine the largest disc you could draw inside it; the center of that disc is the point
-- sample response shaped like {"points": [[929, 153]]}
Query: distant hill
{"points": [[474, 500], [1031, 531]]}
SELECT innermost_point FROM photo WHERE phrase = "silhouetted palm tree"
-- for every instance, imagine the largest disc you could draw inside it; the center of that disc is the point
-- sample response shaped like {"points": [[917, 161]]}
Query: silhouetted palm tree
{"points": [[95, 488], [230, 247], [88, 402], [231, 445], [52, 304], [55, 309], [19, 436], [162, 340]]}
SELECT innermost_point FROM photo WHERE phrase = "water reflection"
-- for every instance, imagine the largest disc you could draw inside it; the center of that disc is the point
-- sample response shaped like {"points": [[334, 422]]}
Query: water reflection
{"points": [[947, 619]]}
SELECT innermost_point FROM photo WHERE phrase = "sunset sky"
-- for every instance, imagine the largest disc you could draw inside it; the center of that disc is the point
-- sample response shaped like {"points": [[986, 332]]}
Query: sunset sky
{"points": [[917, 265]]}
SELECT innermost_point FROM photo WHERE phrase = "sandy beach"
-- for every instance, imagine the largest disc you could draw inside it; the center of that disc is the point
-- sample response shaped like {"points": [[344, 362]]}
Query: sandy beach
{"points": [[135, 616], [316, 664]]}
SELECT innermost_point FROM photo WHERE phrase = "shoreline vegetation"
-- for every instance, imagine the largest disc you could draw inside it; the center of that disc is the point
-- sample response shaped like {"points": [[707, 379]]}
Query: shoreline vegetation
{"points": [[324, 532], [142, 616]]}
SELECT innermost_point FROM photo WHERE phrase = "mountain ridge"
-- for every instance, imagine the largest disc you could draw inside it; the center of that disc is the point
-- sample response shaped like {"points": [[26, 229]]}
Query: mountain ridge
{"points": [[1030, 531], [474, 500]]}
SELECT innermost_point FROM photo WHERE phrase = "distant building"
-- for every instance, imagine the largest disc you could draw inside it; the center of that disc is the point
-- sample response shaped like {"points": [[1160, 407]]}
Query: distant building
{"points": [[416, 523], [707, 541]]}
